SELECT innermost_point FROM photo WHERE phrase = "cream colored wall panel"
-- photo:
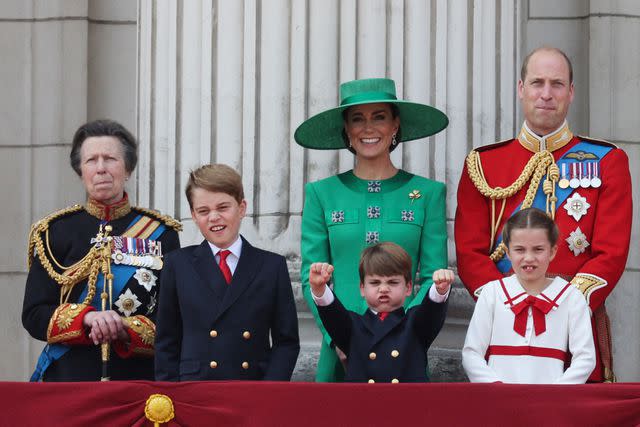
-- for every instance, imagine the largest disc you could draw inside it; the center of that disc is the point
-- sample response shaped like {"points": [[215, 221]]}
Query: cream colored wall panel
{"points": [[15, 364], [228, 84], [622, 306], [558, 9], [112, 10], [15, 83], [371, 39], [621, 7], [347, 62], [56, 187], [42, 9], [15, 173], [112, 68], [59, 80]]}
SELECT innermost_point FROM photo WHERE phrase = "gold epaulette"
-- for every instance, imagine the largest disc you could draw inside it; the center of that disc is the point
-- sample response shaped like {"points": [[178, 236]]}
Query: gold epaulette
{"points": [[492, 146], [597, 141], [166, 219], [42, 226]]}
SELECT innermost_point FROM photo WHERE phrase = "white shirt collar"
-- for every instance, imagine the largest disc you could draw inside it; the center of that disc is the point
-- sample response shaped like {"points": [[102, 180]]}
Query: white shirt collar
{"points": [[235, 247]]}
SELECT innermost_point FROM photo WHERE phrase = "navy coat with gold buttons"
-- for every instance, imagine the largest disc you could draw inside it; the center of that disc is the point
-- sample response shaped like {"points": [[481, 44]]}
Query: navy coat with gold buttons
{"points": [[393, 350], [210, 330]]}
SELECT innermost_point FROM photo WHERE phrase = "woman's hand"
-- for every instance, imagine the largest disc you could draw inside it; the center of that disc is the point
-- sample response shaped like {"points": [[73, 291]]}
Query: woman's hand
{"points": [[105, 326], [319, 275], [442, 280]]}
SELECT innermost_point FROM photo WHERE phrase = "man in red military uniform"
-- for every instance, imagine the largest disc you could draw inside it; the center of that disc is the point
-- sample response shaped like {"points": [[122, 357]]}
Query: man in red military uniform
{"points": [[583, 183]]}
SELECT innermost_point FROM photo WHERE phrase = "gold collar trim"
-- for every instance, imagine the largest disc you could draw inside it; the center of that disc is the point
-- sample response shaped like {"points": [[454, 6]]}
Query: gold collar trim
{"points": [[108, 212], [550, 142]]}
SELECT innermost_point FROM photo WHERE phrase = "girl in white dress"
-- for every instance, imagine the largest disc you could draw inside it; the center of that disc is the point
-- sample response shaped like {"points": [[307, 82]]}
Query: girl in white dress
{"points": [[527, 328]]}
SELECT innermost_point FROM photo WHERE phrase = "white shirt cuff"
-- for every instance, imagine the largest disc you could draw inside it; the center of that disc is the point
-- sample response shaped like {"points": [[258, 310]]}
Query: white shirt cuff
{"points": [[325, 299], [436, 297]]}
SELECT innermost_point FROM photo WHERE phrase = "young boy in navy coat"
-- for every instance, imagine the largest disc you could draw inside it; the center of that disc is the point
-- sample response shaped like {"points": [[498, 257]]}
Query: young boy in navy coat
{"points": [[385, 344], [220, 301]]}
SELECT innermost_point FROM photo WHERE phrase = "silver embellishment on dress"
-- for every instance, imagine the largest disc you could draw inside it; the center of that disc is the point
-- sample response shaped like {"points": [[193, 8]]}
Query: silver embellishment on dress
{"points": [[373, 186], [407, 215], [337, 216], [373, 212], [373, 237]]}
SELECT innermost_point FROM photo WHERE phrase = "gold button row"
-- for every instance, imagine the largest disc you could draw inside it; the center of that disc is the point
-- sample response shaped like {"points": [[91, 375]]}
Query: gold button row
{"points": [[246, 334], [393, 381], [213, 364], [394, 353]]}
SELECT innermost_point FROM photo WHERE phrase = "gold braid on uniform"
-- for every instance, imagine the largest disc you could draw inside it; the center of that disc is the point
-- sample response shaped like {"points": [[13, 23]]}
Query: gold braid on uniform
{"points": [[171, 222], [88, 267], [538, 165]]}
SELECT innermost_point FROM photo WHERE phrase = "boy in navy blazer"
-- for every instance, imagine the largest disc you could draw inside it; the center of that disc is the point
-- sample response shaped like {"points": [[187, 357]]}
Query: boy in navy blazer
{"points": [[221, 301], [385, 344]]}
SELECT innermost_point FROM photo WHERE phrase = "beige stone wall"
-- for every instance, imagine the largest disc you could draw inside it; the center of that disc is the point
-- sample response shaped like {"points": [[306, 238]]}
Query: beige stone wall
{"points": [[229, 81]]}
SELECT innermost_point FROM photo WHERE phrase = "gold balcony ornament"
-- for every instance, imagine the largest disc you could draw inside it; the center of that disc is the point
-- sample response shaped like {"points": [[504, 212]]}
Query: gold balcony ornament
{"points": [[159, 409]]}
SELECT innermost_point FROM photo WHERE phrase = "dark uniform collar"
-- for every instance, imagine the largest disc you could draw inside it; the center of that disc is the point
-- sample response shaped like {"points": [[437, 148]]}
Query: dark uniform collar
{"points": [[551, 142], [108, 212]]}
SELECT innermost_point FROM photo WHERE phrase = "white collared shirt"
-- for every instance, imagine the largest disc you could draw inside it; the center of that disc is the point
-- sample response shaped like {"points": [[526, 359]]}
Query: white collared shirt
{"points": [[234, 256]]}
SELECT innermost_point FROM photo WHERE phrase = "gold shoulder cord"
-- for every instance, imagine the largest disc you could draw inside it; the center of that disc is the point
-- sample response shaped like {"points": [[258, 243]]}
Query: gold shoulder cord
{"points": [[88, 267], [171, 222], [538, 165]]}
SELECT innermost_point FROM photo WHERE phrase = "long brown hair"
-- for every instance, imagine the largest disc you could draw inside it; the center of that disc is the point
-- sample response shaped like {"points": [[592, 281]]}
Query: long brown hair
{"points": [[531, 218]]}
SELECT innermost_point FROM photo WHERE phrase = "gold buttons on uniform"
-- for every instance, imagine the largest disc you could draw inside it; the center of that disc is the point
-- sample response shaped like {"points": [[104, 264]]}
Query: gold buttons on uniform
{"points": [[213, 364], [371, 381], [372, 356], [245, 365], [213, 333], [395, 381], [73, 306], [395, 353], [246, 335]]}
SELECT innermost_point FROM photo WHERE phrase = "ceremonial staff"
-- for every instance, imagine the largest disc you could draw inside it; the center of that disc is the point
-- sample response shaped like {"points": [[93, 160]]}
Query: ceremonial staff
{"points": [[107, 290]]}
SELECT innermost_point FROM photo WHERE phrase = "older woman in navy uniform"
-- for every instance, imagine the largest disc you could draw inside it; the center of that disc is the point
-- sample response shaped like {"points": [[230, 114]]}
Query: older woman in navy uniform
{"points": [[94, 270]]}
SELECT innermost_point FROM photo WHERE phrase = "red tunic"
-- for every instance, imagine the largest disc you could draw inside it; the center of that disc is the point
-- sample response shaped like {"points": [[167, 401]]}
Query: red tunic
{"points": [[606, 224]]}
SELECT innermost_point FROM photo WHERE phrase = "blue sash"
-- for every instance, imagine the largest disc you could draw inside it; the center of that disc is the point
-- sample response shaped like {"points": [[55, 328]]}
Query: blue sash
{"points": [[121, 275], [540, 199]]}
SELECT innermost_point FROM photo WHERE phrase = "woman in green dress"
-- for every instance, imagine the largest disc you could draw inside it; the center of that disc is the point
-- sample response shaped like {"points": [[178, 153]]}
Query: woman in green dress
{"points": [[373, 202]]}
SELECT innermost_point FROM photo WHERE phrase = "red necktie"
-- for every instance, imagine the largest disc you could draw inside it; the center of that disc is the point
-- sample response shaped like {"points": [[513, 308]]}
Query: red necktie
{"points": [[539, 309], [383, 315], [224, 267]]}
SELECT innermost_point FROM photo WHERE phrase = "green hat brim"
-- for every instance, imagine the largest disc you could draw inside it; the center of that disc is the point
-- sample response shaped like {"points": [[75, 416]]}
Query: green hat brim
{"points": [[324, 130]]}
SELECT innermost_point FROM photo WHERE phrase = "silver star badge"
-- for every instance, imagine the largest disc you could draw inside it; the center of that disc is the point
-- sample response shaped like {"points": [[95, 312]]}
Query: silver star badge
{"points": [[577, 241], [146, 278], [128, 302], [577, 206]]}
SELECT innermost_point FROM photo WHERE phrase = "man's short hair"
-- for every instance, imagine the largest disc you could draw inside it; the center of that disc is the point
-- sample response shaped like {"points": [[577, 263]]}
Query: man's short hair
{"points": [[217, 178], [525, 63], [385, 259]]}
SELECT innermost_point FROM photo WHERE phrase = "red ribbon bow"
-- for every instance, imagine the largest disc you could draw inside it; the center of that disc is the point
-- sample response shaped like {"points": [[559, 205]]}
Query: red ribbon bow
{"points": [[539, 309]]}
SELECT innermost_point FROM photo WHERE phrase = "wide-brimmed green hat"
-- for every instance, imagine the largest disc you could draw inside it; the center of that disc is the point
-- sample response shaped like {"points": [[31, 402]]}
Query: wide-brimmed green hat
{"points": [[324, 130]]}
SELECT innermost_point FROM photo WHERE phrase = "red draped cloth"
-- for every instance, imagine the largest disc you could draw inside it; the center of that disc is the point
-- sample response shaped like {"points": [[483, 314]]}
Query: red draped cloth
{"points": [[310, 404]]}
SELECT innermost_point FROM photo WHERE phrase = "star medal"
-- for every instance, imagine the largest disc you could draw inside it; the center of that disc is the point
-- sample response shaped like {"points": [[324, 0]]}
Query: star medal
{"points": [[577, 241], [145, 278], [574, 182], [595, 178], [585, 179], [128, 302], [564, 182], [577, 206]]}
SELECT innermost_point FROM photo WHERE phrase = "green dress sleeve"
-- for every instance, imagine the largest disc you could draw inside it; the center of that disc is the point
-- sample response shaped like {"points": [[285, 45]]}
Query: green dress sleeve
{"points": [[314, 247], [433, 241]]}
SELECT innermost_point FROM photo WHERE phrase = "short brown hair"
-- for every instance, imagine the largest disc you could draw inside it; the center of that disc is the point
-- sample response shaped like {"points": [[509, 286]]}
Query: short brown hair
{"points": [[530, 218], [217, 178], [385, 259], [525, 63]]}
